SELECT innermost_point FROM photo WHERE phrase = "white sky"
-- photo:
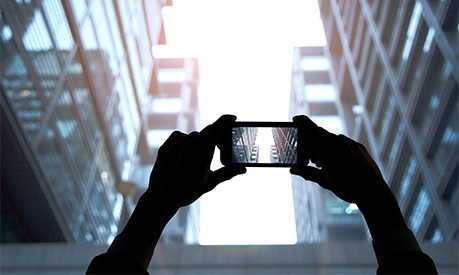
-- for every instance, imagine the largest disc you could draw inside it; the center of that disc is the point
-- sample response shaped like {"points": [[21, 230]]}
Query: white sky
{"points": [[245, 59]]}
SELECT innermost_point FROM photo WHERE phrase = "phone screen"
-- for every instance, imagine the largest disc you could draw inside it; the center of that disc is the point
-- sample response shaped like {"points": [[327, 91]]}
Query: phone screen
{"points": [[264, 145]]}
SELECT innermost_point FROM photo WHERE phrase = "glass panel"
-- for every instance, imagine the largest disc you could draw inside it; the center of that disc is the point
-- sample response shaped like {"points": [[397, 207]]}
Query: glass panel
{"points": [[433, 232], [126, 115], [79, 8], [314, 63], [320, 92], [167, 105], [18, 87], [412, 28], [393, 132], [414, 70], [396, 143], [385, 122], [171, 75], [419, 210], [154, 18], [69, 128], [449, 140], [104, 36], [114, 122], [36, 37], [438, 74], [113, 23], [450, 195], [59, 26], [143, 45], [85, 233], [84, 102], [104, 223], [124, 12], [128, 91], [408, 176], [57, 171], [135, 64], [107, 175], [98, 63]]}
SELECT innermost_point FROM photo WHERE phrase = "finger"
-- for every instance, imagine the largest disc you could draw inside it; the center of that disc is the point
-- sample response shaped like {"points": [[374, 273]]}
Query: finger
{"points": [[192, 136], [312, 174], [317, 136], [223, 174], [214, 131], [172, 139]]}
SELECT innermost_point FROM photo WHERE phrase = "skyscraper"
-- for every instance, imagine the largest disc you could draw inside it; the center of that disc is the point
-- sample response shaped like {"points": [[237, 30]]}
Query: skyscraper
{"points": [[319, 215], [174, 107], [78, 84], [395, 68]]}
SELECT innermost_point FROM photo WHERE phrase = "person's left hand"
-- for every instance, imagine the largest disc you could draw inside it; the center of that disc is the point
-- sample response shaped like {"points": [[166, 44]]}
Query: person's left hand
{"points": [[182, 171]]}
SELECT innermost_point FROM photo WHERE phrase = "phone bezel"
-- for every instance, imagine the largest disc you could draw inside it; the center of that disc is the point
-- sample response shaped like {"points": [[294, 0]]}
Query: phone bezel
{"points": [[226, 144]]}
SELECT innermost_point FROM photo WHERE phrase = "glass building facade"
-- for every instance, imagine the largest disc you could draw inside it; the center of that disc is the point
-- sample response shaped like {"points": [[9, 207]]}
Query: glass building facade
{"points": [[320, 216], [75, 79], [395, 68]]}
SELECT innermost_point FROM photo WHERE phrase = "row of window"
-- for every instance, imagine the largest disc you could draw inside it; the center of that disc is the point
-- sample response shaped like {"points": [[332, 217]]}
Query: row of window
{"points": [[54, 100], [428, 97], [436, 74]]}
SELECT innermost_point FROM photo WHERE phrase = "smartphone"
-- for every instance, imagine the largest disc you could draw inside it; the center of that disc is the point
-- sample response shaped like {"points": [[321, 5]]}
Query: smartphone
{"points": [[262, 144]]}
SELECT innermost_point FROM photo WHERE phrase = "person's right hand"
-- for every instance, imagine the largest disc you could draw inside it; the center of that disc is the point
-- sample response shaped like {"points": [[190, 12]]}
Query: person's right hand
{"points": [[346, 167]]}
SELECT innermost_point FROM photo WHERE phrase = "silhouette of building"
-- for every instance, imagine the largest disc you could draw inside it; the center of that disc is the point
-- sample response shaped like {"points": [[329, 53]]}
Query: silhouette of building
{"points": [[79, 98], [394, 65], [319, 215]]}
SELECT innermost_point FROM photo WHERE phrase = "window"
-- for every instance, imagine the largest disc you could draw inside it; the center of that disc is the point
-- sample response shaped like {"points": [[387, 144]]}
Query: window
{"points": [[167, 105], [59, 178], [320, 92], [419, 211], [104, 36], [58, 24], [171, 75], [412, 28], [408, 176], [314, 63]]}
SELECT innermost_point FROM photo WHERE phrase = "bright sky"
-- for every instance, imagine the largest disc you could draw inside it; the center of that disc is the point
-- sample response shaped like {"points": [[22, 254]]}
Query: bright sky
{"points": [[245, 60]]}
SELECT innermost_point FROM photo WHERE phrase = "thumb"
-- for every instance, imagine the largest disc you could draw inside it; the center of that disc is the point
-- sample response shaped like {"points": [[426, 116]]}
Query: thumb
{"points": [[223, 174]]}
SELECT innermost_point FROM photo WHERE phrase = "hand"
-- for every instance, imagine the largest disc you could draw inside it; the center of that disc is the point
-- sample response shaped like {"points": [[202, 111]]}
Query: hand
{"points": [[347, 168], [180, 176], [182, 170]]}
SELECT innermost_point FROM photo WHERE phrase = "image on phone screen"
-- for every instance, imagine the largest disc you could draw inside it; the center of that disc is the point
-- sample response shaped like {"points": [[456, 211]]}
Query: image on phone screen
{"points": [[267, 145]]}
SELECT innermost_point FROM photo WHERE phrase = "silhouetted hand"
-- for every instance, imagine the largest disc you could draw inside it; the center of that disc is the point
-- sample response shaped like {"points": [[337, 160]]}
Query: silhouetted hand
{"points": [[182, 171], [348, 170], [180, 176]]}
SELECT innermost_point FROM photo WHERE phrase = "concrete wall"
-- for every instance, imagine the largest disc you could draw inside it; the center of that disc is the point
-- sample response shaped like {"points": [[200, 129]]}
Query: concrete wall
{"points": [[323, 258]]}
